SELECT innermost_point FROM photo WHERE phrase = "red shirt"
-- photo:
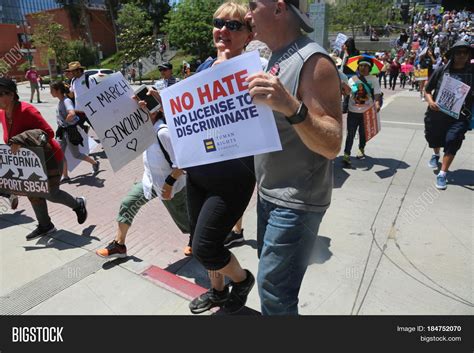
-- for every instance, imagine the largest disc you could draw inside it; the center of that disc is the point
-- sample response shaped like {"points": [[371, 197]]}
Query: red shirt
{"points": [[31, 75], [27, 117]]}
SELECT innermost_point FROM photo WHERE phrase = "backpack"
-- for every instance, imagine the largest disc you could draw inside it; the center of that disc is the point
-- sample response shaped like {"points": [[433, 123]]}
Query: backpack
{"points": [[165, 153]]}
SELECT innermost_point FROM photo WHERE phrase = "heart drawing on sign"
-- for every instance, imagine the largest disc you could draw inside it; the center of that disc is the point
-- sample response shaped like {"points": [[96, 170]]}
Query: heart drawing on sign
{"points": [[132, 145]]}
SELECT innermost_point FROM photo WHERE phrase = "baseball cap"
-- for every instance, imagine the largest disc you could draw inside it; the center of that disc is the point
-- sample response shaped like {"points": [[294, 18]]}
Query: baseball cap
{"points": [[300, 9], [165, 66]]}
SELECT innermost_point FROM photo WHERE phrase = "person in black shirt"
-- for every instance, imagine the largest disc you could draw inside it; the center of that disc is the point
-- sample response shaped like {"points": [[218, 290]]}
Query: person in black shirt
{"points": [[441, 129]]}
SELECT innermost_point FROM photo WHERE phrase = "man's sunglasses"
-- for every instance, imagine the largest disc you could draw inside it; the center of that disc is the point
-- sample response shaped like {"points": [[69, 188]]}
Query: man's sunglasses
{"points": [[233, 26], [4, 93]]}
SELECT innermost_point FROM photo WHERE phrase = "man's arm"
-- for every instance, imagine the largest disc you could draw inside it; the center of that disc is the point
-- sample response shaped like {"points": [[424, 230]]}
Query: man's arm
{"points": [[320, 91]]}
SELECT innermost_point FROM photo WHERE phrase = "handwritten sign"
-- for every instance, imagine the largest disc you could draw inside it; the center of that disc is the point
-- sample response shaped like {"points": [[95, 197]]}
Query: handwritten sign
{"points": [[421, 74], [211, 116], [124, 129], [371, 123], [451, 96], [340, 40], [23, 173]]}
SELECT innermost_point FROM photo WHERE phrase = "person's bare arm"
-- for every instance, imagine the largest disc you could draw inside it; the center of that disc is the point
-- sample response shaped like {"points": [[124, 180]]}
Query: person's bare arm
{"points": [[320, 91]]}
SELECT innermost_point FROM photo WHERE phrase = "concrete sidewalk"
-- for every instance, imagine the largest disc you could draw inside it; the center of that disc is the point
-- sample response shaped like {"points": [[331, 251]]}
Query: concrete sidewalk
{"points": [[389, 244]]}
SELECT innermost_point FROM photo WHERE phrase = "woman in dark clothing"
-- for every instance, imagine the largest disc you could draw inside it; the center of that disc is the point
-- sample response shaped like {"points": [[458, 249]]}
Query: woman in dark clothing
{"points": [[219, 193], [394, 72]]}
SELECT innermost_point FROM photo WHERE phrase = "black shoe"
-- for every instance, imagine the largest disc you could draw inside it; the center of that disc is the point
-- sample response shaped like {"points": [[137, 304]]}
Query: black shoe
{"points": [[234, 238], [209, 300], [41, 232], [95, 167], [81, 210], [239, 293]]}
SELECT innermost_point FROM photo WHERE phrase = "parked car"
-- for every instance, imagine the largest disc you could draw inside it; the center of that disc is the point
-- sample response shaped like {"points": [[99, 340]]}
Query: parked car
{"points": [[99, 74]]}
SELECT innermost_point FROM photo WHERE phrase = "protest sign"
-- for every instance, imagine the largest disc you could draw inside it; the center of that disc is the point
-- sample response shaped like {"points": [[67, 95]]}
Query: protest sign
{"points": [[371, 123], [421, 74], [340, 40], [415, 46], [23, 173], [87, 147], [124, 129], [211, 116], [451, 96]]}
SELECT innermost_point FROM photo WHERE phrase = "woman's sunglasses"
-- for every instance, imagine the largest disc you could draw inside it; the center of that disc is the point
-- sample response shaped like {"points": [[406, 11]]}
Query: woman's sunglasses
{"points": [[233, 26]]}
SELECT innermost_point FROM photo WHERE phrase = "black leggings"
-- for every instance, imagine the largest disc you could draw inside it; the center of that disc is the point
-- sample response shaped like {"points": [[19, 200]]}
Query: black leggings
{"points": [[215, 204]]}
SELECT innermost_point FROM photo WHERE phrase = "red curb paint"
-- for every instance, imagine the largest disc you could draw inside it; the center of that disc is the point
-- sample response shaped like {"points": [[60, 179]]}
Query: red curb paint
{"points": [[173, 283]]}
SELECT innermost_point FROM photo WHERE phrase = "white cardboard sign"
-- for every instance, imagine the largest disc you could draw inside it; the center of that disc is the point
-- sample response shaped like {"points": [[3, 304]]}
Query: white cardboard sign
{"points": [[211, 116], [124, 129]]}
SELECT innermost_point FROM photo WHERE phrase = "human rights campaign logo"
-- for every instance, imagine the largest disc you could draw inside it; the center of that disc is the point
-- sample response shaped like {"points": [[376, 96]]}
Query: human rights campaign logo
{"points": [[209, 145]]}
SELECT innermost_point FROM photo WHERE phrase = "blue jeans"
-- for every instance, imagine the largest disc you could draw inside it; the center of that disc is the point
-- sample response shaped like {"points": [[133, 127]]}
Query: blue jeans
{"points": [[285, 239]]}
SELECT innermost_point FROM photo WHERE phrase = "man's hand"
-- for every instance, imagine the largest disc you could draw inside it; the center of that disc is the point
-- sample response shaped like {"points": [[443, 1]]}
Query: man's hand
{"points": [[15, 148], [267, 89], [166, 191]]}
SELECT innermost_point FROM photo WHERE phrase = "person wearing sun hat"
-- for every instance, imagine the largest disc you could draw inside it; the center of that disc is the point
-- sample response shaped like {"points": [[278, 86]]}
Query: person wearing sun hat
{"points": [[365, 91]]}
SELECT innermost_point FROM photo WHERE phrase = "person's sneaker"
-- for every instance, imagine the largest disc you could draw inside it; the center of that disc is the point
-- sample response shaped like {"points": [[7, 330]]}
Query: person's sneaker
{"points": [[433, 163], [95, 167], [13, 202], [113, 251], [41, 232], [346, 159], [208, 300], [238, 294], [360, 154], [441, 182], [65, 179], [234, 238], [188, 251], [81, 210]]}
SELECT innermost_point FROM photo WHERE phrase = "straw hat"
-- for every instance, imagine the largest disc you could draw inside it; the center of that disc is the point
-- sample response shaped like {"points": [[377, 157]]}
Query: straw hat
{"points": [[75, 65]]}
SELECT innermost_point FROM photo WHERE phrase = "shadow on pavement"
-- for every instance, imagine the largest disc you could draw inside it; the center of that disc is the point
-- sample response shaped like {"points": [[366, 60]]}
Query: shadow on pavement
{"points": [[117, 262], [321, 252], [392, 165], [87, 180], [340, 175], [14, 219], [61, 240], [190, 268], [462, 177]]}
